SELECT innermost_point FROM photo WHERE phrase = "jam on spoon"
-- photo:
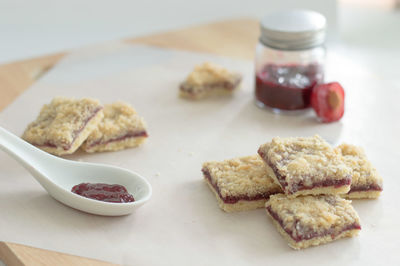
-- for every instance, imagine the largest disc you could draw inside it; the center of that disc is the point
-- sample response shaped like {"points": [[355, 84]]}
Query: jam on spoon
{"points": [[104, 192]]}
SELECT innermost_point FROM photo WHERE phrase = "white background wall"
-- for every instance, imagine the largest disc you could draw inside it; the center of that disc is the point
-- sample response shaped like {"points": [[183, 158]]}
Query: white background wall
{"points": [[34, 27]]}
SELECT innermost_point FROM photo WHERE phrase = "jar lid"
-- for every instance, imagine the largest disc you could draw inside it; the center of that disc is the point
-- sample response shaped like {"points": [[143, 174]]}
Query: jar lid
{"points": [[293, 30]]}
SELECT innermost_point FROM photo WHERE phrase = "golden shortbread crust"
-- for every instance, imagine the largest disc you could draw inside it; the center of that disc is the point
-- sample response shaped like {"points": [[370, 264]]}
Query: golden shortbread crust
{"points": [[363, 173], [120, 119], [308, 161], [243, 176], [209, 79], [241, 205], [313, 215], [64, 124]]}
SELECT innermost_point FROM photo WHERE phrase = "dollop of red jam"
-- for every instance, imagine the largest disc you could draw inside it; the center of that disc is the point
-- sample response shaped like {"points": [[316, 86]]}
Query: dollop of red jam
{"points": [[287, 87], [104, 192]]}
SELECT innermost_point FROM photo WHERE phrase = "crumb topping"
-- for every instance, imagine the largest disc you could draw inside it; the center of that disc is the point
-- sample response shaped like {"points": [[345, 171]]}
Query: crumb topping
{"points": [[310, 216], [120, 119], [241, 176], [209, 80], [363, 173], [209, 73], [304, 161], [60, 122]]}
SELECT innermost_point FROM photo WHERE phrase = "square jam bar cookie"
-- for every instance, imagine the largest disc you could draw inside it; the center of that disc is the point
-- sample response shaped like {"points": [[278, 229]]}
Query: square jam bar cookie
{"points": [[366, 182], [240, 184], [313, 220], [209, 79], [120, 128], [303, 166], [64, 124]]}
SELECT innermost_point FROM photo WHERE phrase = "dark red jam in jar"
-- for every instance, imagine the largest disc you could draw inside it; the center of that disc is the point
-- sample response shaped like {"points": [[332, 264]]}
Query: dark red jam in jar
{"points": [[104, 192], [287, 87], [289, 59]]}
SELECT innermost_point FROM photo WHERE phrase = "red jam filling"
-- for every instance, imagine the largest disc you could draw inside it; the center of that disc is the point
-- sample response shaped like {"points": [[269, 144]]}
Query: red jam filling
{"points": [[235, 199], [300, 186], [103, 192], [287, 87], [299, 232], [371, 187], [126, 136]]}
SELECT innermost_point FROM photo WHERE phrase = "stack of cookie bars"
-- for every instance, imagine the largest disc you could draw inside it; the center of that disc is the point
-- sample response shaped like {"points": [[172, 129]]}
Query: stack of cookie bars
{"points": [[303, 183]]}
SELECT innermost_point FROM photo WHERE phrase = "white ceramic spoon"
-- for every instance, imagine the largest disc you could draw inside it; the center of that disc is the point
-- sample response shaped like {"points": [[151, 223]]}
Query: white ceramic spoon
{"points": [[58, 176]]}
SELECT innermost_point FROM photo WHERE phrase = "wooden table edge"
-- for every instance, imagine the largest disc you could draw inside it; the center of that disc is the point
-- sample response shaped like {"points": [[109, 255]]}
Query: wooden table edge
{"points": [[20, 255]]}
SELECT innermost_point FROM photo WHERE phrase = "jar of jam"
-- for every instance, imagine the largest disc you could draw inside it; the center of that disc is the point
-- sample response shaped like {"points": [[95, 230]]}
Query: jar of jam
{"points": [[290, 59]]}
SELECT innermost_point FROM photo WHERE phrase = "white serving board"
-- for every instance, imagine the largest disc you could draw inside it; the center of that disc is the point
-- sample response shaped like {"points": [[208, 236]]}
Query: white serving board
{"points": [[182, 224]]}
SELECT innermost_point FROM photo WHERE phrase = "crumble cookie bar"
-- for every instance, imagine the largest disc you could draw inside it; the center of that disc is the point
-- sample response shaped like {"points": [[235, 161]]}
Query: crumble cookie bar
{"points": [[64, 124], [303, 166], [366, 182], [240, 184], [313, 220], [209, 79], [120, 128]]}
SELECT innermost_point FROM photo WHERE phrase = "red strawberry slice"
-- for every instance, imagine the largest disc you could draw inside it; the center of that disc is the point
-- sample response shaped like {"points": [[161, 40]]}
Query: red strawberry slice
{"points": [[328, 101]]}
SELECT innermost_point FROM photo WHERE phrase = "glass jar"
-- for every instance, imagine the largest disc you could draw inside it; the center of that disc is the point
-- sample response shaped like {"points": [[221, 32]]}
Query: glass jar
{"points": [[290, 59]]}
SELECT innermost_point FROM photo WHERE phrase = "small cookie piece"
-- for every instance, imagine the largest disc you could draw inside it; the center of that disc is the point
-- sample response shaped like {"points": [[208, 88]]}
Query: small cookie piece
{"points": [[64, 124], [209, 79], [120, 128], [313, 220], [366, 183], [304, 166], [240, 184]]}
